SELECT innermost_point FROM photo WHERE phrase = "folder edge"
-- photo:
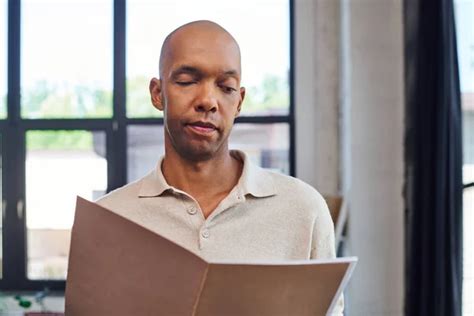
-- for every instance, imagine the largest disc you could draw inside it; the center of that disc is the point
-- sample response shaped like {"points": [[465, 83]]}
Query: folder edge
{"points": [[352, 263]]}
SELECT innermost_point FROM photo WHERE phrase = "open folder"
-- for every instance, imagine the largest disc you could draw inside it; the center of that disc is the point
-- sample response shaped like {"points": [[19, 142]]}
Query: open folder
{"points": [[117, 267]]}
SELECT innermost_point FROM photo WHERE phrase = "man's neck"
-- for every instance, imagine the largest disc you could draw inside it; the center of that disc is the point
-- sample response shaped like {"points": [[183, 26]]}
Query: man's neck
{"points": [[206, 181]]}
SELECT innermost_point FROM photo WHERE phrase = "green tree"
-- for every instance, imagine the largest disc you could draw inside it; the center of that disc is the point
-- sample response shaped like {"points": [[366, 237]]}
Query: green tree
{"points": [[48, 101], [59, 140], [138, 98], [271, 95]]}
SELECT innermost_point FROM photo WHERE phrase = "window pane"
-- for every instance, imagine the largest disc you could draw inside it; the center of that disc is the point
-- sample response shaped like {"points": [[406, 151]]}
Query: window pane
{"points": [[3, 58], [265, 71], [66, 59], [266, 144], [145, 145], [59, 166], [465, 41]]}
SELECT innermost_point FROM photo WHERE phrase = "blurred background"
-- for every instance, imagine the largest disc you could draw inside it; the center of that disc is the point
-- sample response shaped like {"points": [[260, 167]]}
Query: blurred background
{"points": [[326, 102]]}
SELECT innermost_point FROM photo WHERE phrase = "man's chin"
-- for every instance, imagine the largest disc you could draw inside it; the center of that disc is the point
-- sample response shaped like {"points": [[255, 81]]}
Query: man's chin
{"points": [[198, 154]]}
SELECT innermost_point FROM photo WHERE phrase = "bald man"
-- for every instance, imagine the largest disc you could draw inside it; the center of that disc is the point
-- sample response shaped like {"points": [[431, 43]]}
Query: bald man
{"points": [[203, 196]]}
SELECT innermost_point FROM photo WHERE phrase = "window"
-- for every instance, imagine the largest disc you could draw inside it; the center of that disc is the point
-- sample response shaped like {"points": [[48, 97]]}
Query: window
{"points": [[3, 59], [71, 75], [74, 158], [465, 40], [84, 124], [3, 114], [265, 74]]}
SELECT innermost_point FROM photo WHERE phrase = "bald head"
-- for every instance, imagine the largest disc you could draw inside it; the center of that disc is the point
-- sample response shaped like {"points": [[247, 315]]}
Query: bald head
{"points": [[195, 36]]}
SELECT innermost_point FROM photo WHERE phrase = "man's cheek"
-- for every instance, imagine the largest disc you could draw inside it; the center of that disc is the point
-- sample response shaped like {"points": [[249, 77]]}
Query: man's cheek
{"points": [[173, 123]]}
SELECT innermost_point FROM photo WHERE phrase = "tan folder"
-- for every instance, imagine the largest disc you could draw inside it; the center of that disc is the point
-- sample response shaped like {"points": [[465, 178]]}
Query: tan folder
{"points": [[117, 267]]}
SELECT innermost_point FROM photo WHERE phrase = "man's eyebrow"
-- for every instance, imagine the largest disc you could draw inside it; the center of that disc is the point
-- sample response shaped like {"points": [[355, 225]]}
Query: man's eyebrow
{"points": [[231, 73], [186, 70], [190, 70]]}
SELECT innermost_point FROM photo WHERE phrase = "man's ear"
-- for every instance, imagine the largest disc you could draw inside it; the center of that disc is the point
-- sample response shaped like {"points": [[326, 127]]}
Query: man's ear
{"points": [[242, 96], [155, 93]]}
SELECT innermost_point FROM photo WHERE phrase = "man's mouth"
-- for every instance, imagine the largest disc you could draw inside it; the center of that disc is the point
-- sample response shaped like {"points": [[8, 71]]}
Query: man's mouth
{"points": [[202, 127]]}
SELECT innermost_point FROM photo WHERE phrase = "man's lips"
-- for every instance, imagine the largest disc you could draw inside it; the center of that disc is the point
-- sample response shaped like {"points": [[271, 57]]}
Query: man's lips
{"points": [[202, 127]]}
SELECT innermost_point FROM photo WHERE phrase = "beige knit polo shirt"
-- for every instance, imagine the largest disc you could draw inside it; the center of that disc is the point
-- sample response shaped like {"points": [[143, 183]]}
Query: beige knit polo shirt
{"points": [[266, 216]]}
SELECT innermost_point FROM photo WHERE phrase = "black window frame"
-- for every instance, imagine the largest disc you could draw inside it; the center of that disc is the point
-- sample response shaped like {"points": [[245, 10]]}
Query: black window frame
{"points": [[13, 130]]}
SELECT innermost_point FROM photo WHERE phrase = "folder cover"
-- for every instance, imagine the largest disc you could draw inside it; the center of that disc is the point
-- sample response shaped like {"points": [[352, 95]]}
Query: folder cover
{"points": [[117, 267]]}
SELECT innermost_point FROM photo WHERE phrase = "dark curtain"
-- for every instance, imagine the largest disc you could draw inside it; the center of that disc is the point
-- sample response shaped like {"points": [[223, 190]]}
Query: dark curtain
{"points": [[433, 161]]}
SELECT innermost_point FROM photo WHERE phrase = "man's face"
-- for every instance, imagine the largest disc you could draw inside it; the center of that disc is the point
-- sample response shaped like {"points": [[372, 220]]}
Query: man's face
{"points": [[199, 92]]}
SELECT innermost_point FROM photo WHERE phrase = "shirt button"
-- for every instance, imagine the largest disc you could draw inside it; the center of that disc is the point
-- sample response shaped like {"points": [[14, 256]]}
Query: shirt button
{"points": [[192, 210], [205, 233]]}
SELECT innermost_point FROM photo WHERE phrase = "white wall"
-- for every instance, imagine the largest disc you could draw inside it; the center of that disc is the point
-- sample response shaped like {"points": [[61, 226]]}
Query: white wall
{"points": [[373, 163], [376, 226], [317, 93]]}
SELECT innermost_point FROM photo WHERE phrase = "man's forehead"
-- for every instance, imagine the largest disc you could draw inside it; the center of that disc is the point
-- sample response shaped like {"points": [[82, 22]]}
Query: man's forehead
{"points": [[201, 39], [200, 27], [205, 30]]}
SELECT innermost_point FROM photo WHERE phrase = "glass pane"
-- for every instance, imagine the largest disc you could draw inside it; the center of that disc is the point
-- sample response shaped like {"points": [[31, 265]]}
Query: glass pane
{"points": [[66, 58], [145, 145], [3, 58], [464, 10], [266, 144], [265, 71], [59, 166]]}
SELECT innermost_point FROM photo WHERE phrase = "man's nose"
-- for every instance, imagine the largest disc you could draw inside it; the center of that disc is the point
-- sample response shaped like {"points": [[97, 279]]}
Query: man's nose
{"points": [[207, 98]]}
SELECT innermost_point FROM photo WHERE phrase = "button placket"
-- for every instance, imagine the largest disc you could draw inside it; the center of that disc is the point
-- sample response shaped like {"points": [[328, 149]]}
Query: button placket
{"points": [[204, 237], [192, 210], [190, 213], [205, 233]]}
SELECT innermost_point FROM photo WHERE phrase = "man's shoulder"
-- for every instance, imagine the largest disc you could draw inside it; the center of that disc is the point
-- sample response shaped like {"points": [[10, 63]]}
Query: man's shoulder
{"points": [[292, 188], [295, 200], [122, 196]]}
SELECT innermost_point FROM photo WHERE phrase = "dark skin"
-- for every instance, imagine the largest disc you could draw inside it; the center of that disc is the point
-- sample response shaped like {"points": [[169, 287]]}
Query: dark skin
{"points": [[200, 94]]}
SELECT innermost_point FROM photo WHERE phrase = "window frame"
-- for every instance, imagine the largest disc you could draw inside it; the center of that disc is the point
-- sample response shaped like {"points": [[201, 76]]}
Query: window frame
{"points": [[13, 130]]}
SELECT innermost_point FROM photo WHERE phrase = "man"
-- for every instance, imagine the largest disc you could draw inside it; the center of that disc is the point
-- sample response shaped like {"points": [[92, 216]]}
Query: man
{"points": [[204, 197]]}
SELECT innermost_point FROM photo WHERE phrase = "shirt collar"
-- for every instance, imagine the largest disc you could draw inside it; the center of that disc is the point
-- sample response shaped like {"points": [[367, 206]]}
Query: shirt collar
{"points": [[154, 183], [254, 180]]}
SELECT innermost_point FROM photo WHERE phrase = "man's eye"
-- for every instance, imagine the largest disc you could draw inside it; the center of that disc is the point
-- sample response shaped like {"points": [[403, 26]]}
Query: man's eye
{"points": [[228, 89], [185, 83]]}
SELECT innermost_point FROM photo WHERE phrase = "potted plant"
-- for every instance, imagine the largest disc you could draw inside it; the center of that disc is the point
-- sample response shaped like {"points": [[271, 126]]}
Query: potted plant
{"points": [[18, 310]]}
